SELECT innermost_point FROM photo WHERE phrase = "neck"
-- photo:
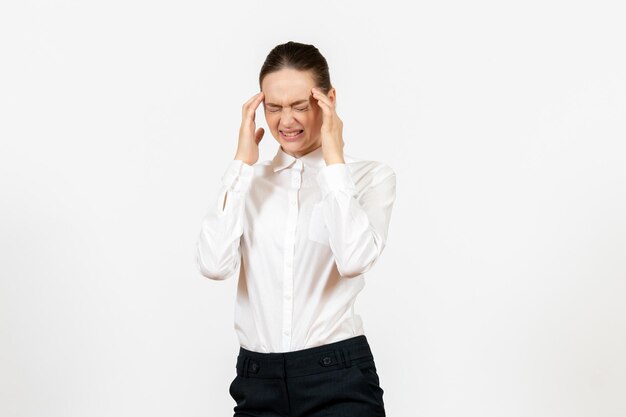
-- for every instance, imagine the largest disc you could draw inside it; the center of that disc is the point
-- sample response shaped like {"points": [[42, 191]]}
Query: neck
{"points": [[301, 152]]}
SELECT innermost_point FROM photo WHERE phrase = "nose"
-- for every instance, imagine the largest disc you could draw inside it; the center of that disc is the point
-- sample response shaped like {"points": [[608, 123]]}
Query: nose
{"points": [[286, 118]]}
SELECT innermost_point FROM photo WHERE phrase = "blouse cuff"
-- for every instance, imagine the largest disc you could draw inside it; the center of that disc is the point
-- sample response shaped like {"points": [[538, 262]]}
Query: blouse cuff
{"points": [[336, 177], [238, 176]]}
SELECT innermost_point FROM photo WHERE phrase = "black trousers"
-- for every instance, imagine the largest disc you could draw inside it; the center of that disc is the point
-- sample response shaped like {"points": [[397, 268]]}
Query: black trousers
{"points": [[334, 380]]}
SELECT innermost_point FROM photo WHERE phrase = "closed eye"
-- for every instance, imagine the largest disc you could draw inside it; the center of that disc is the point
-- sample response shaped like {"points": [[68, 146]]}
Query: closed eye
{"points": [[298, 109]]}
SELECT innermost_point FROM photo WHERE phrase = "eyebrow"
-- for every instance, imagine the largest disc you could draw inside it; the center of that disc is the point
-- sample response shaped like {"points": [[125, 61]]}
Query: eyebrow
{"points": [[292, 104]]}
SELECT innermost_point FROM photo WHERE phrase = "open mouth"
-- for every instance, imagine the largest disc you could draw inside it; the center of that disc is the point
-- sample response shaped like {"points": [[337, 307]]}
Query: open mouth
{"points": [[292, 135]]}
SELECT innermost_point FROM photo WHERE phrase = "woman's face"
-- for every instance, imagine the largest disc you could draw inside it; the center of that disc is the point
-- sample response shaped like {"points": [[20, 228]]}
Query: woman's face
{"points": [[292, 114]]}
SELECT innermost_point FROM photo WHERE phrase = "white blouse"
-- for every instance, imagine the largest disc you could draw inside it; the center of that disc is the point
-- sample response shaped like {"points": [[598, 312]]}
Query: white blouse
{"points": [[300, 234]]}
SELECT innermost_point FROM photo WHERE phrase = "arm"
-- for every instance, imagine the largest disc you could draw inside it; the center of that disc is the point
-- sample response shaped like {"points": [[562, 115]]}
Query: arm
{"points": [[357, 224], [217, 248]]}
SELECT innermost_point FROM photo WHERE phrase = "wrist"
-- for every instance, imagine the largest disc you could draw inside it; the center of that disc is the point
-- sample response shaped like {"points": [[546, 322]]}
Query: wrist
{"points": [[335, 159], [244, 159]]}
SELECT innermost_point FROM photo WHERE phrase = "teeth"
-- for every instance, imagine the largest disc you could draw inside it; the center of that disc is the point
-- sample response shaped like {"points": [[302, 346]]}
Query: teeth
{"points": [[292, 134]]}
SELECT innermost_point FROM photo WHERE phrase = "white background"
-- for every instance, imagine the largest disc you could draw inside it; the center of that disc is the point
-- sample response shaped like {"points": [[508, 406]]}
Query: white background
{"points": [[501, 291]]}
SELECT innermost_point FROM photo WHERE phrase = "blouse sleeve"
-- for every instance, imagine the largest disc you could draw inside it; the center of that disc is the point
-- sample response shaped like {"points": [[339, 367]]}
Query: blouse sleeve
{"points": [[357, 222], [217, 248]]}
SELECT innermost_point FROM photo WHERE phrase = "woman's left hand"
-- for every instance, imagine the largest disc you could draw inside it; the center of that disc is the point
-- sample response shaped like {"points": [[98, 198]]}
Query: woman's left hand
{"points": [[332, 128]]}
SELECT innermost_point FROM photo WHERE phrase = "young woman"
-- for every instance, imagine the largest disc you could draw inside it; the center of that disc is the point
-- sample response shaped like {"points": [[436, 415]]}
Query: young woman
{"points": [[301, 230]]}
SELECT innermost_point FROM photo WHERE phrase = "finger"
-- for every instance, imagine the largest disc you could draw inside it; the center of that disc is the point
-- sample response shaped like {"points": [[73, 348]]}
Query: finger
{"points": [[259, 99], [327, 111], [251, 105], [252, 99], [327, 106], [317, 94]]}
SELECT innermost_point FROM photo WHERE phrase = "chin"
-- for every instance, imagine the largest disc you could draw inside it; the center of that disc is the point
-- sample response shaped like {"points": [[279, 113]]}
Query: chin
{"points": [[295, 145]]}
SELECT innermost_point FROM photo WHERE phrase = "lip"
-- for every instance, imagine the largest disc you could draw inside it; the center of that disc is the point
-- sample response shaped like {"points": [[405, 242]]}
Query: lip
{"points": [[293, 138]]}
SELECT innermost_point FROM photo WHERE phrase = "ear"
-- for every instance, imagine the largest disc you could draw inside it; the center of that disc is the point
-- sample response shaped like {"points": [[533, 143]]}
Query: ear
{"points": [[332, 95]]}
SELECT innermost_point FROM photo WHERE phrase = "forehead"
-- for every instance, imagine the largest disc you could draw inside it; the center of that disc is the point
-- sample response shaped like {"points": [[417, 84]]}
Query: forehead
{"points": [[287, 85]]}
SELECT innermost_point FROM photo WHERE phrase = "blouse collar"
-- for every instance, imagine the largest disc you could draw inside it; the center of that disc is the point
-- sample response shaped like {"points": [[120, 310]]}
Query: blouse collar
{"points": [[314, 159]]}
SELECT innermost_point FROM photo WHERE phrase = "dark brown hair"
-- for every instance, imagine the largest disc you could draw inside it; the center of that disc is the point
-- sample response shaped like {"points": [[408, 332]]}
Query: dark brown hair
{"points": [[298, 56]]}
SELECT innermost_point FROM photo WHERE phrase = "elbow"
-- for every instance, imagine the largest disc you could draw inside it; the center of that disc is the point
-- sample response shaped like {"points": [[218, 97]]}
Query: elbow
{"points": [[214, 274], [355, 266], [359, 262], [213, 269], [350, 273]]}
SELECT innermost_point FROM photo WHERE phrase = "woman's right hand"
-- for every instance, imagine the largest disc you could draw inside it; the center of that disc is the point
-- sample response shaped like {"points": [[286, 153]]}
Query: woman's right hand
{"points": [[249, 137]]}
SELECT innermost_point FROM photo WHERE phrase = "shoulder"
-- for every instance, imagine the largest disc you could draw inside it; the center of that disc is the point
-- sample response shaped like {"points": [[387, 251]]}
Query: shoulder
{"points": [[368, 171], [262, 168]]}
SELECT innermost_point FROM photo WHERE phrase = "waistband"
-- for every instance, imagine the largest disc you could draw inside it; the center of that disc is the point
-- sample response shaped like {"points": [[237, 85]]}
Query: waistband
{"points": [[308, 361]]}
